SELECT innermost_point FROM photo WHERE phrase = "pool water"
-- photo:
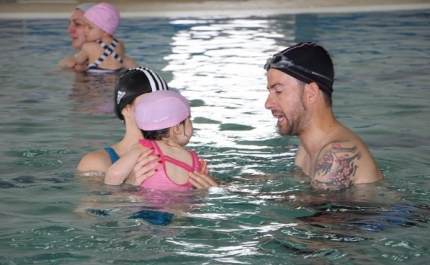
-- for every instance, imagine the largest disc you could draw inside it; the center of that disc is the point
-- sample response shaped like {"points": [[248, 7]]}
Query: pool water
{"points": [[261, 214]]}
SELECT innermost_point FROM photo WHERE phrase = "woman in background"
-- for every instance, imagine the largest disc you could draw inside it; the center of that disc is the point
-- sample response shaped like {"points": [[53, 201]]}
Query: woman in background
{"points": [[76, 32]]}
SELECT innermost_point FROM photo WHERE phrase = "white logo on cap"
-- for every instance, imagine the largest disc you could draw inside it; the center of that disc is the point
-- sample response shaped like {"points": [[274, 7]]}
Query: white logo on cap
{"points": [[161, 119], [120, 95]]}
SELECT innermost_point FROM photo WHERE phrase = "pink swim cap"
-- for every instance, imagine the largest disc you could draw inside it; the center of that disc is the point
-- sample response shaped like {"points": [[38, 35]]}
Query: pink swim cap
{"points": [[104, 16], [160, 110]]}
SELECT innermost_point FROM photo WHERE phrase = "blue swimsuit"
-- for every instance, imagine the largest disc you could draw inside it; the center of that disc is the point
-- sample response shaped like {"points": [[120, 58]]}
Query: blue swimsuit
{"points": [[152, 216], [113, 155], [109, 51]]}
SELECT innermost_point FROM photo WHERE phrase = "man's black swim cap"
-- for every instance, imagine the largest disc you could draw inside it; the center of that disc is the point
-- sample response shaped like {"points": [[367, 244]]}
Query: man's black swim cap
{"points": [[313, 57], [133, 83]]}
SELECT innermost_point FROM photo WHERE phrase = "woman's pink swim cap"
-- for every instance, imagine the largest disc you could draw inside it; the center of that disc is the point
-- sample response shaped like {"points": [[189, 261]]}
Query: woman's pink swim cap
{"points": [[160, 110], [104, 16]]}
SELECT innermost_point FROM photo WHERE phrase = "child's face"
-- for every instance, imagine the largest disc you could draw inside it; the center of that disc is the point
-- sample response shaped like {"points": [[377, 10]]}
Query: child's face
{"points": [[187, 132], [92, 32]]}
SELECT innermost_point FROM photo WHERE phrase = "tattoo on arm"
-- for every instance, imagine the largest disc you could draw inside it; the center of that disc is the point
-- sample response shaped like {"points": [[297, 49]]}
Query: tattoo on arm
{"points": [[336, 167]]}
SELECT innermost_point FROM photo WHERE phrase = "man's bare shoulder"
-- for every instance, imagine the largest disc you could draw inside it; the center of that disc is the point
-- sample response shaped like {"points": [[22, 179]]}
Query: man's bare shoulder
{"points": [[302, 159], [98, 160], [340, 164]]}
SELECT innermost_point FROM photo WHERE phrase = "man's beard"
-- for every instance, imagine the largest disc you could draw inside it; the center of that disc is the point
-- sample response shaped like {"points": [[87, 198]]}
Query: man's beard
{"points": [[297, 121]]}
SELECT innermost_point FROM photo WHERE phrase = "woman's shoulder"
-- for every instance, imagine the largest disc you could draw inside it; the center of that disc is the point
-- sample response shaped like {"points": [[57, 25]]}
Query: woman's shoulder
{"points": [[98, 160]]}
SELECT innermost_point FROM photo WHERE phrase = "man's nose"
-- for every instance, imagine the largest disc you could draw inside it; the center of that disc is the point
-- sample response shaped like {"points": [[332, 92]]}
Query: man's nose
{"points": [[269, 102]]}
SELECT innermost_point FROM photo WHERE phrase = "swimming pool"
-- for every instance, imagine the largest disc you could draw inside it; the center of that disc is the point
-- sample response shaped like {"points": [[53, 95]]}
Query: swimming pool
{"points": [[261, 214]]}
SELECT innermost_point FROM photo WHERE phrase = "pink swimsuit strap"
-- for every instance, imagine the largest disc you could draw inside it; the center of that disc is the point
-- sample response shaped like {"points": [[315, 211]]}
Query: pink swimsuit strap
{"points": [[176, 162], [195, 166]]}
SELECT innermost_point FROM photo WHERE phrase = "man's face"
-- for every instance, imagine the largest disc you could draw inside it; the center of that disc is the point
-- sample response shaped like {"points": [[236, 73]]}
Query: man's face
{"points": [[76, 29], [285, 101]]}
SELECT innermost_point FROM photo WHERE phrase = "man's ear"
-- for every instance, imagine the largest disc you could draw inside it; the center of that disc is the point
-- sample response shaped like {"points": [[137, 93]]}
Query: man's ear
{"points": [[313, 93]]}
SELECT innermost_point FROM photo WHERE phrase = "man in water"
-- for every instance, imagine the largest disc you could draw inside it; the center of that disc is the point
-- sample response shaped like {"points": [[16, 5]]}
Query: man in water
{"points": [[300, 84]]}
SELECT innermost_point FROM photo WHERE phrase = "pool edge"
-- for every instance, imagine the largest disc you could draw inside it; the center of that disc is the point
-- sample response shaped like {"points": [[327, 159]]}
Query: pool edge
{"points": [[223, 13]]}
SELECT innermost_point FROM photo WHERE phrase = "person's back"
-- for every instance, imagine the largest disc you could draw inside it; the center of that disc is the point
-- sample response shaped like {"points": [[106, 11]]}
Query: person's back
{"points": [[96, 50], [176, 162], [300, 83]]}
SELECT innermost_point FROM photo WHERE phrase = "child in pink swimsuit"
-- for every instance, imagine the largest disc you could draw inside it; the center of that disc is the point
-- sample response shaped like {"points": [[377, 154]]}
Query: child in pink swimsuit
{"points": [[164, 118]]}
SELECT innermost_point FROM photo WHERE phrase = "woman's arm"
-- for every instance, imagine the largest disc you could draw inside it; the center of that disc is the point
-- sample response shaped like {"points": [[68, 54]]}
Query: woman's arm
{"points": [[67, 62], [145, 168], [201, 179]]}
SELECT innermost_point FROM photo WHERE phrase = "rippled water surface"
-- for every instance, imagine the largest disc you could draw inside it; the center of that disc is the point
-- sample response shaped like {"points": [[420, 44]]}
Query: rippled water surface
{"points": [[260, 215]]}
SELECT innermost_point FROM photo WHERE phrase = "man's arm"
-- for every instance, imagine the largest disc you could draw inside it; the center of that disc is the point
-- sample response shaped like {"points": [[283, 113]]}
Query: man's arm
{"points": [[336, 166]]}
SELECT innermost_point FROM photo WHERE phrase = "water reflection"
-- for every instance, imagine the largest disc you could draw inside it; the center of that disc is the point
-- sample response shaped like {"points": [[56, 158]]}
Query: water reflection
{"points": [[261, 212], [220, 63], [217, 65], [93, 94]]}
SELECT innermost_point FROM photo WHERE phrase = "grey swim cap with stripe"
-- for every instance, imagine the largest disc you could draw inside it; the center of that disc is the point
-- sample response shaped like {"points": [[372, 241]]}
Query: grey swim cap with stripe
{"points": [[85, 7], [133, 83]]}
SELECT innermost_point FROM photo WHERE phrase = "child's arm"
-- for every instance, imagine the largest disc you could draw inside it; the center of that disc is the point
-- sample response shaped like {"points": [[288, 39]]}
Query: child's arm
{"points": [[81, 57], [121, 169]]}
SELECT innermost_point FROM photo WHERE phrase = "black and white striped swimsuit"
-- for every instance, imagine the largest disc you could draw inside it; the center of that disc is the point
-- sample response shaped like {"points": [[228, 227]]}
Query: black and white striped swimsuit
{"points": [[109, 51]]}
